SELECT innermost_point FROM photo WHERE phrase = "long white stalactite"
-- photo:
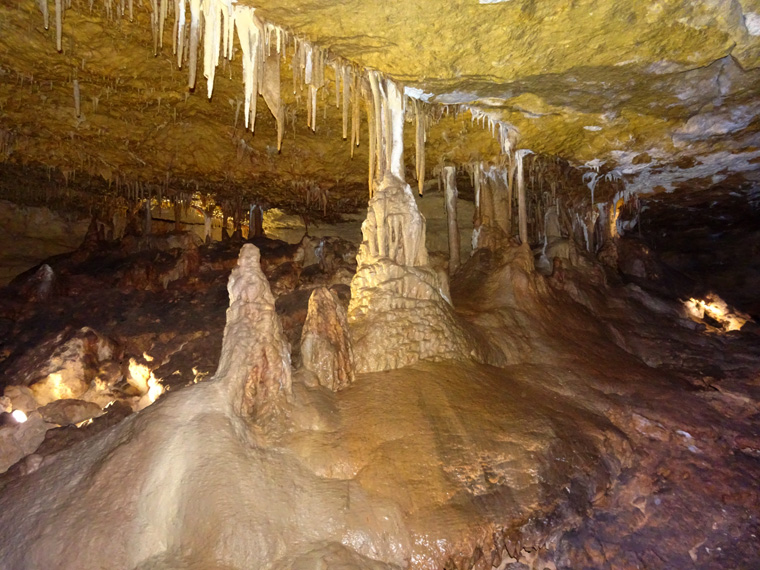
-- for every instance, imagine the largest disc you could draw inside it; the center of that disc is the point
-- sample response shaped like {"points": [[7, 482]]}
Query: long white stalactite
{"points": [[522, 203], [195, 23], [58, 25], [45, 13]]}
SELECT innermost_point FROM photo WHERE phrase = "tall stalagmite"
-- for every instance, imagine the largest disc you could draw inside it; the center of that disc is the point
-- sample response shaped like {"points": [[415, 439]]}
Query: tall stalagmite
{"points": [[400, 310]]}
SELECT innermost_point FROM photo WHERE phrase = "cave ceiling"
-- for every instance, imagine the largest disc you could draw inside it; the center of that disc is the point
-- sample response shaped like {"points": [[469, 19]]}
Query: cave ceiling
{"points": [[665, 92]]}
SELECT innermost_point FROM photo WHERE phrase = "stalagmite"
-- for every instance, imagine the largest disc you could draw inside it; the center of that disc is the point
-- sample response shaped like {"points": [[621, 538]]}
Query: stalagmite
{"points": [[58, 25], [77, 107], [400, 310], [261, 381], [522, 204], [449, 177], [326, 348]]}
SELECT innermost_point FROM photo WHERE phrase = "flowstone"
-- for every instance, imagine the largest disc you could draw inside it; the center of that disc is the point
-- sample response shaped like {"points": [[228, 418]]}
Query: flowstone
{"points": [[400, 311]]}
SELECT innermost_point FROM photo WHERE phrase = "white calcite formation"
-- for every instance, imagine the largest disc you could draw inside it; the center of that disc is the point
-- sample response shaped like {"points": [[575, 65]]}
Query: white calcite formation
{"points": [[326, 348], [452, 194], [400, 311]]}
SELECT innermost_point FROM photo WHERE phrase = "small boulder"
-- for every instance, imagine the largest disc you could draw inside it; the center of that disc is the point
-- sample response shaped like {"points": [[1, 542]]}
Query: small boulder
{"points": [[19, 440], [21, 398], [68, 412]]}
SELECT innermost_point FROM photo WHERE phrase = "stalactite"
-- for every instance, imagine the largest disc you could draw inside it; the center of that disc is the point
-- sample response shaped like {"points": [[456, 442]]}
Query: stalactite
{"points": [[396, 105], [371, 114], [337, 73], [195, 16], [271, 91], [148, 217], [179, 30], [77, 107], [45, 13], [449, 177], [379, 154], [419, 145], [162, 10], [58, 25], [248, 35], [355, 111], [346, 78], [130, 7], [521, 199], [154, 24]]}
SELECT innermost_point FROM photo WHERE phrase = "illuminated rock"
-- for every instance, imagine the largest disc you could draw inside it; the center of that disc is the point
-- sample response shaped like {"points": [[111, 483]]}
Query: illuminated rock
{"points": [[21, 438], [63, 366]]}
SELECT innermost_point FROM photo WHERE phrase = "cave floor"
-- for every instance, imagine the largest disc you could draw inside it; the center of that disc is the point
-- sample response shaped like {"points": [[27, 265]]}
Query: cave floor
{"points": [[620, 434]]}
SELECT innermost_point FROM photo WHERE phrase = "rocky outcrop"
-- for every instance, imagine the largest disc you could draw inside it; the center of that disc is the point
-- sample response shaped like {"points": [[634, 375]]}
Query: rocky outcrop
{"points": [[62, 366]]}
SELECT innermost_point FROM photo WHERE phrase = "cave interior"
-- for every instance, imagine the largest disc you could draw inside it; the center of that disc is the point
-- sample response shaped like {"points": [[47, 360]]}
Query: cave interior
{"points": [[339, 284]]}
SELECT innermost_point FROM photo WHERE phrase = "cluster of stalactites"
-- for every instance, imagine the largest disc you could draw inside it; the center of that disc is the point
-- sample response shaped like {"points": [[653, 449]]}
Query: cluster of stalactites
{"points": [[394, 228], [386, 110]]}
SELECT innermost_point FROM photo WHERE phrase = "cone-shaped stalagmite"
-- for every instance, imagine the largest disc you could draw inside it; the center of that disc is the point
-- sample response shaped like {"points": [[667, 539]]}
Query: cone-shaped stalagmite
{"points": [[325, 342], [255, 359]]}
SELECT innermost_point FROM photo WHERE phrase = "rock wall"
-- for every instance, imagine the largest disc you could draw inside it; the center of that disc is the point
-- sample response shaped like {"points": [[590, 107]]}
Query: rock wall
{"points": [[31, 235]]}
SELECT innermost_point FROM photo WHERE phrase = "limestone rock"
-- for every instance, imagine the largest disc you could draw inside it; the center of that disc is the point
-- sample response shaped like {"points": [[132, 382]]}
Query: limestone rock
{"points": [[67, 412], [326, 348], [62, 366], [19, 440], [255, 361], [21, 398], [40, 286]]}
